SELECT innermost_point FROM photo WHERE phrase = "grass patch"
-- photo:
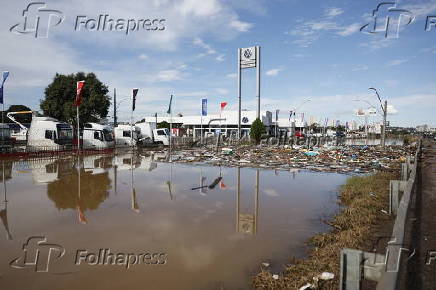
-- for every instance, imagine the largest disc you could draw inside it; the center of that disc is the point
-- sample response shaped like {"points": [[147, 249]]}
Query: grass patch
{"points": [[362, 199]]}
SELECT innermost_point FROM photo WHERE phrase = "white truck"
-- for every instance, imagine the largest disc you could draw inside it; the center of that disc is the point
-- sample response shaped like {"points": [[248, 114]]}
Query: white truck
{"points": [[49, 133], [123, 137], [149, 134], [20, 134], [97, 136]]}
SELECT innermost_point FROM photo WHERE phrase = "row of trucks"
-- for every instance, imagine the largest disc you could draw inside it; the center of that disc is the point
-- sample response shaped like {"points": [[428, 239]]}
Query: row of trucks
{"points": [[46, 133]]}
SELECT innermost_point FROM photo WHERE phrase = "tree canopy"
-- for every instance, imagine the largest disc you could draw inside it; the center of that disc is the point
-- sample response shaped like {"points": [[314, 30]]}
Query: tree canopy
{"points": [[257, 129], [61, 93]]}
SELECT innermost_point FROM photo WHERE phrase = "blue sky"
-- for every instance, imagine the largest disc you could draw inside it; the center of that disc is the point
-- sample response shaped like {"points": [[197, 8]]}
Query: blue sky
{"points": [[310, 50]]}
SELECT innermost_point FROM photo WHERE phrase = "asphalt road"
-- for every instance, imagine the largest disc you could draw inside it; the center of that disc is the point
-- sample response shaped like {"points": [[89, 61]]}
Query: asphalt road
{"points": [[422, 268]]}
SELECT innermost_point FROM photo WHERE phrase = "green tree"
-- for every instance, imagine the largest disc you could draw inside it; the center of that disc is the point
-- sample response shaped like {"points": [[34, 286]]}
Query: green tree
{"points": [[163, 124], [61, 93], [257, 129]]}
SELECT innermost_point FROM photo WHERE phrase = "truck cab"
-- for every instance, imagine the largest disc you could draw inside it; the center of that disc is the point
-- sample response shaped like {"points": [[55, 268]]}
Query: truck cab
{"points": [[49, 133], [97, 136], [150, 134], [123, 137]]}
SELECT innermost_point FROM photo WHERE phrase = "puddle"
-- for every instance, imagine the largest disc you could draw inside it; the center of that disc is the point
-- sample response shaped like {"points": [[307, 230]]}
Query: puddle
{"points": [[196, 224]]}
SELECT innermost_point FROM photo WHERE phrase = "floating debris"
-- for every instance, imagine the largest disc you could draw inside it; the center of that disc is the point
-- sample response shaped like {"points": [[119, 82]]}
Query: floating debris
{"points": [[343, 159]]}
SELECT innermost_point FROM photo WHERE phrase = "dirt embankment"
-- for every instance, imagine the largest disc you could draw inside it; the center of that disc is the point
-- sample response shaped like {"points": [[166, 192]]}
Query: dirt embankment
{"points": [[364, 201]]}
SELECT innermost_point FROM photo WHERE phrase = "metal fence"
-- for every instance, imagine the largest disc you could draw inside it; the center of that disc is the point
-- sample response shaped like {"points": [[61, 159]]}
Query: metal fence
{"points": [[384, 268]]}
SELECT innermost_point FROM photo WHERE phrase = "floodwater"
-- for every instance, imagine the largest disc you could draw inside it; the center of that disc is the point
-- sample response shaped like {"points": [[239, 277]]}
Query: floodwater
{"points": [[127, 221]]}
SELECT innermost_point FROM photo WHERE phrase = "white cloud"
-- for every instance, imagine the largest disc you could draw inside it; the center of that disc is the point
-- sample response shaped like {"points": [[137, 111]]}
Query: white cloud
{"points": [[350, 29], [333, 12], [143, 56], [360, 67], [273, 72], [169, 75], [397, 62], [220, 57], [240, 25], [392, 110], [232, 75], [199, 42]]}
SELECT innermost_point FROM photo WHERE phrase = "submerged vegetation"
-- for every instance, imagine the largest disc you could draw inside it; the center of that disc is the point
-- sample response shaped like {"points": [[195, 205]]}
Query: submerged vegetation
{"points": [[363, 201]]}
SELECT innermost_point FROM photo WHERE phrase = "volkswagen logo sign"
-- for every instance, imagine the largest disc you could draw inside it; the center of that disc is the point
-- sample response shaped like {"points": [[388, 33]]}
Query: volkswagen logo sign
{"points": [[245, 120], [247, 53]]}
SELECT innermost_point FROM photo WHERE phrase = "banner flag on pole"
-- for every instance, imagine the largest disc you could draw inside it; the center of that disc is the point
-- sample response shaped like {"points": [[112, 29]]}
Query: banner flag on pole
{"points": [[223, 105], [79, 92], [169, 106], [204, 107], [134, 93], [290, 115], [4, 77], [277, 114]]}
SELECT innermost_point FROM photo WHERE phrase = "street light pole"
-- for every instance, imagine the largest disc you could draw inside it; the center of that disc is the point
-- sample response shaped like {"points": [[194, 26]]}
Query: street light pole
{"points": [[385, 113]]}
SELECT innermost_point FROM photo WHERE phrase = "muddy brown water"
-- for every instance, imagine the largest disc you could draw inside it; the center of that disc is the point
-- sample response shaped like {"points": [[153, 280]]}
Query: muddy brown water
{"points": [[140, 224]]}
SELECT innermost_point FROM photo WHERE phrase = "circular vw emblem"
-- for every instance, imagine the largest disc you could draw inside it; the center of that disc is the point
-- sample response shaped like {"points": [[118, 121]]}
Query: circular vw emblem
{"points": [[247, 53], [245, 120]]}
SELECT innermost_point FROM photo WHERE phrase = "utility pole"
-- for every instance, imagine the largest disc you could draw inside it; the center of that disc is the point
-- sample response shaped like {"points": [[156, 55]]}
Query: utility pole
{"points": [[385, 113], [115, 108]]}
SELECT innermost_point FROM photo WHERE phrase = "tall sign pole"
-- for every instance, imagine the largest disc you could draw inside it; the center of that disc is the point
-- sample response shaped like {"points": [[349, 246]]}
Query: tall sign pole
{"points": [[239, 93], [258, 80], [248, 57]]}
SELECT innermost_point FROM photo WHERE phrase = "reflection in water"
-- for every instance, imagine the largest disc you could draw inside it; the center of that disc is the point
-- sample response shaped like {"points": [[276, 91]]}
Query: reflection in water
{"points": [[247, 223], [132, 203], [5, 175]]}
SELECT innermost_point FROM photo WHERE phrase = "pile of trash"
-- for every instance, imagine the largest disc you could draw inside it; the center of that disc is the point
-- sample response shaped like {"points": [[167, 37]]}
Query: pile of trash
{"points": [[342, 159]]}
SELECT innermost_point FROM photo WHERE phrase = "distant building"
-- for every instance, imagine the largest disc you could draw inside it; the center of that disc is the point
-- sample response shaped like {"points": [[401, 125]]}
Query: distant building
{"points": [[227, 122], [422, 128]]}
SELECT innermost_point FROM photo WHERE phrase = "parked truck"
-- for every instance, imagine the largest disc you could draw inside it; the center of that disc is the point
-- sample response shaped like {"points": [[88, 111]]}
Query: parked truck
{"points": [[149, 134], [126, 135], [49, 134], [97, 136]]}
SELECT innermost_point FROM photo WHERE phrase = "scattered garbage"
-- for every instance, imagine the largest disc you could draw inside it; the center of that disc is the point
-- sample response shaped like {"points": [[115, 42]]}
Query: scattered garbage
{"points": [[227, 151], [341, 159], [308, 286], [326, 276], [275, 277], [265, 264]]}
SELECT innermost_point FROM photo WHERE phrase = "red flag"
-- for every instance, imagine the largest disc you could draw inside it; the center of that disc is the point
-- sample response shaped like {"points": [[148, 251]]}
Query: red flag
{"points": [[82, 217], [223, 105], [222, 185], [79, 90]]}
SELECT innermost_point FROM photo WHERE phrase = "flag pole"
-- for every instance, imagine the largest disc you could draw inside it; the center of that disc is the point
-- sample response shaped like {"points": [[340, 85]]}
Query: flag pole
{"points": [[131, 121], [78, 130]]}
